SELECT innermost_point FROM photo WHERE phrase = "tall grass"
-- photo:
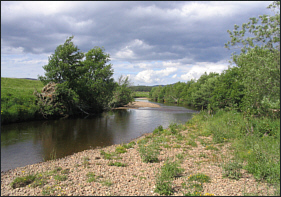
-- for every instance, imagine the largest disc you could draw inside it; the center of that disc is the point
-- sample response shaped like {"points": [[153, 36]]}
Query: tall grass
{"points": [[255, 141], [17, 99]]}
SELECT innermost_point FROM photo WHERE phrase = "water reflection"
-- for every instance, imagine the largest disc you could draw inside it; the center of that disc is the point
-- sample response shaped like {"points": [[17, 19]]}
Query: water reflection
{"points": [[32, 142]]}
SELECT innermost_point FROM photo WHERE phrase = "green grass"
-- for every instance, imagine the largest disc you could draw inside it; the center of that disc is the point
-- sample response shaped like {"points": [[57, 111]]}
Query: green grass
{"points": [[149, 152], [17, 99], [138, 94], [255, 142], [164, 178], [118, 164], [22, 181]]}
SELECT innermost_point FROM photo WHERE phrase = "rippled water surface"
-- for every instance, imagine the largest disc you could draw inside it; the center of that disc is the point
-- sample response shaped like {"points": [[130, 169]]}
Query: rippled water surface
{"points": [[31, 142]]}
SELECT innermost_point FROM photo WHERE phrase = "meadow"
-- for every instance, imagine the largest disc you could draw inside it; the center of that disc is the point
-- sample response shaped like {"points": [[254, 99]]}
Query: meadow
{"points": [[17, 99]]}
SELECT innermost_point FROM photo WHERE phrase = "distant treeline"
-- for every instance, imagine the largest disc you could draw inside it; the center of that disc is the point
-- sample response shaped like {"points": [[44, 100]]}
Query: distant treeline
{"points": [[141, 88]]}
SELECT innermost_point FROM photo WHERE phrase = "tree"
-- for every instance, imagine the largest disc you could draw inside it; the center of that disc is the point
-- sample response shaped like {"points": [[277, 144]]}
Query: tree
{"points": [[84, 80], [266, 34], [259, 62], [122, 94]]}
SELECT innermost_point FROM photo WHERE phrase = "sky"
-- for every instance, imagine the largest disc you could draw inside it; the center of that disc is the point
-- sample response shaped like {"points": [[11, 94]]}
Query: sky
{"points": [[153, 43]]}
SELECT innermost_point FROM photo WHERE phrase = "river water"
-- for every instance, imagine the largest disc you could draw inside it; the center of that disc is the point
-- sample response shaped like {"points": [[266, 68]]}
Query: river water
{"points": [[36, 141]]}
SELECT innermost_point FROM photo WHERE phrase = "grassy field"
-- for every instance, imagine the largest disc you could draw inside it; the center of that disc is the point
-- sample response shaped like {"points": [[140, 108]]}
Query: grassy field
{"points": [[17, 99], [139, 94]]}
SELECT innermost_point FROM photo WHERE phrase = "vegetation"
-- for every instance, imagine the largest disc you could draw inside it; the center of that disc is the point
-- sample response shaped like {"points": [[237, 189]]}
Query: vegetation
{"points": [[118, 164], [251, 85], [122, 94], [17, 100], [255, 142], [164, 178], [82, 84], [140, 94], [141, 88]]}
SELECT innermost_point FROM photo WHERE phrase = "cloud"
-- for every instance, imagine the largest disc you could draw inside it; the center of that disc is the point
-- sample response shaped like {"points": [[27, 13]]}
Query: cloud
{"points": [[197, 70], [142, 37], [154, 76]]}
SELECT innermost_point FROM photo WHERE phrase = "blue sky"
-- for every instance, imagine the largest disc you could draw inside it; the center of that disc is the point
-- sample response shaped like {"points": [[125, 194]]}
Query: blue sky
{"points": [[153, 43]]}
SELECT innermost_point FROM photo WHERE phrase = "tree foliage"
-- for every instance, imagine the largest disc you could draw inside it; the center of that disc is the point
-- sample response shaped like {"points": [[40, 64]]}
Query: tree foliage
{"points": [[123, 94], [84, 80], [251, 85]]}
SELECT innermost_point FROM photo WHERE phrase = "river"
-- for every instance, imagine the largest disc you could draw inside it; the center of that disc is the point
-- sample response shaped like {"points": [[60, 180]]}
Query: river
{"points": [[36, 141]]}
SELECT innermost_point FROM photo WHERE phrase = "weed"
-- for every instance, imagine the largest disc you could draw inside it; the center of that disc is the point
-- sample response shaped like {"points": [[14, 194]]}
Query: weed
{"points": [[143, 141], [179, 137], [65, 171], [177, 146], [109, 156], [180, 156], [202, 155], [107, 183], [60, 177], [202, 141], [166, 146], [164, 177], [149, 153], [57, 169], [192, 143], [199, 177], [91, 177], [232, 170], [159, 130], [129, 145], [211, 148], [120, 149], [39, 181], [22, 181], [118, 164], [174, 128]]}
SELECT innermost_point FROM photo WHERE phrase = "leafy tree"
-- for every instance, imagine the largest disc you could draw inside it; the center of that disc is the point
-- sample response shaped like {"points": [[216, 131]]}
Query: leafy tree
{"points": [[228, 91], [84, 81], [122, 94], [259, 62], [265, 33]]}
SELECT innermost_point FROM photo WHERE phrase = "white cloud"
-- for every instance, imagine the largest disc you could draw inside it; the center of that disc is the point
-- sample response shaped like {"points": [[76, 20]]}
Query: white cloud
{"points": [[152, 76], [124, 53], [197, 70]]}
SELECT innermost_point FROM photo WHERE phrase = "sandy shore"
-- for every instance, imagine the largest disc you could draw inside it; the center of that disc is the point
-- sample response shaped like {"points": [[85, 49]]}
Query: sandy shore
{"points": [[138, 104], [137, 178]]}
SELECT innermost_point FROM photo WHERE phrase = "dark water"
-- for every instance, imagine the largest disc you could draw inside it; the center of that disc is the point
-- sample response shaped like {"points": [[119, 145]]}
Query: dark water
{"points": [[31, 142]]}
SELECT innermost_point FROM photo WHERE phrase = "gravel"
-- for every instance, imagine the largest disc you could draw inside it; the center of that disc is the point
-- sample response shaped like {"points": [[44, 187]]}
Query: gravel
{"points": [[137, 178]]}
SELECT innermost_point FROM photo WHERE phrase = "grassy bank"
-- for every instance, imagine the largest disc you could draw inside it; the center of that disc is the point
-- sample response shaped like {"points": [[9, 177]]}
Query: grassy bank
{"points": [[255, 142], [17, 99]]}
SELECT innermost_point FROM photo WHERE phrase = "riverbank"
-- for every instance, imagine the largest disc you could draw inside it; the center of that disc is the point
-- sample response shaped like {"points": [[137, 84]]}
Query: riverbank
{"points": [[100, 172], [138, 104]]}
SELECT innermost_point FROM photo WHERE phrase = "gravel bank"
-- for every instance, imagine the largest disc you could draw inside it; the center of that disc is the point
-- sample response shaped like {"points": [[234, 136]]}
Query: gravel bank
{"points": [[138, 104], [137, 178]]}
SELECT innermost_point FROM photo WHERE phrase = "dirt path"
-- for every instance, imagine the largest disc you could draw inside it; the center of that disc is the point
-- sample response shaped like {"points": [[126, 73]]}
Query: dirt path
{"points": [[137, 178]]}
